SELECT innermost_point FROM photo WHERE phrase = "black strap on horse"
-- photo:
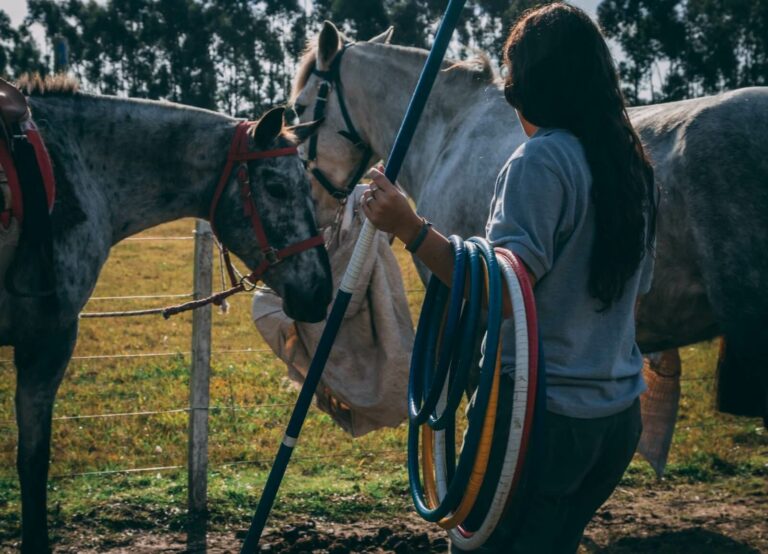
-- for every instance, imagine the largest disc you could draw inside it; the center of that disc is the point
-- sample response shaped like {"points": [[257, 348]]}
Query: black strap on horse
{"points": [[332, 80], [31, 273]]}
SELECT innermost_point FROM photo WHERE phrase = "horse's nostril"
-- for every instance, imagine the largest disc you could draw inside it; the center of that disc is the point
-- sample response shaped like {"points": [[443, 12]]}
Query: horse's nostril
{"points": [[306, 303], [321, 294]]}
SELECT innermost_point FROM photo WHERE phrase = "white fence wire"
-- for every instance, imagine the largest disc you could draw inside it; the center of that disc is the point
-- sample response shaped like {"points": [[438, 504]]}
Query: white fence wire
{"points": [[200, 355]]}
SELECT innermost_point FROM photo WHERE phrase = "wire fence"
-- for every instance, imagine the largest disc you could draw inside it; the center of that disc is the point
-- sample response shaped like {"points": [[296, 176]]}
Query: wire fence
{"points": [[200, 355], [142, 413], [139, 239], [233, 408], [169, 354], [142, 297], [225, 464]]}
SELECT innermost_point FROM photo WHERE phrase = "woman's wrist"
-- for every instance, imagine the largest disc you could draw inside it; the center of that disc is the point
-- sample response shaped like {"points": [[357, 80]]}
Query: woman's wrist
{"points": [[409, 229], [414, 245]]}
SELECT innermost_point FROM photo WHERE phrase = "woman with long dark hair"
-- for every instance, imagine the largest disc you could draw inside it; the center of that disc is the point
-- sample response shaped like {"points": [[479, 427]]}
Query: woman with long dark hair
{"points": [[577, 204]]}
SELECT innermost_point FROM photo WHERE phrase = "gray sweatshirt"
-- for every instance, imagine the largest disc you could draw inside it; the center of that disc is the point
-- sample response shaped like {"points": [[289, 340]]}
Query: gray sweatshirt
{"points": [[542, 211]]}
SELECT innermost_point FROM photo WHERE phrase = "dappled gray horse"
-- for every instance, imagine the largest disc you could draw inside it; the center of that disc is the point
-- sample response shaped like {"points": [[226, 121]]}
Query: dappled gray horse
{"points": [[123, 166], [711, 160]]}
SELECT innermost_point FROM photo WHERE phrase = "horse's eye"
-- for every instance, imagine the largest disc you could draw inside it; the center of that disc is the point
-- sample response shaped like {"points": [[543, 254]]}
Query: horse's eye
{"points": [[276, 190], [299, 109], [273, 184]]}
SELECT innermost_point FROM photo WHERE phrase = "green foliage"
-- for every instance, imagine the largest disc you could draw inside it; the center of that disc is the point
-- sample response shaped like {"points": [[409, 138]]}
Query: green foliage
{"points": [[683, 48], [18, 51], [235, 55], [229, 54], [483, 26], [491, 21], [239, 56]]}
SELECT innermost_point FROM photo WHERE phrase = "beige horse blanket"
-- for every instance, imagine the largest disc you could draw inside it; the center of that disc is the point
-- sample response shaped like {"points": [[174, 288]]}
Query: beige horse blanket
{"points": [[365, 383], [658, 406]]}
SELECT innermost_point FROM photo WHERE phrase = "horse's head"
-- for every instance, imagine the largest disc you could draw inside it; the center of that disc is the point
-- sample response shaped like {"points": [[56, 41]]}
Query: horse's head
{"points": [[277, 190], [337, 154]]}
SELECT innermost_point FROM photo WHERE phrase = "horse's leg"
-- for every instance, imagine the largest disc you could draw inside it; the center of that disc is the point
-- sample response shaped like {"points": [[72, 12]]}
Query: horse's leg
{"points": [[742, 374], [40, 365]]}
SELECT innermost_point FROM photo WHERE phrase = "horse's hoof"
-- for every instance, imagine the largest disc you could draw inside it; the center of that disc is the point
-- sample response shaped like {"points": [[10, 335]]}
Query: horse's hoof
{"points": [[35, 547]]}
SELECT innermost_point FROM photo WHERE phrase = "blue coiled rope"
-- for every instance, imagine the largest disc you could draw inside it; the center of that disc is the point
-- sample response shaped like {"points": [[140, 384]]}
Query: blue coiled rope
{"points": [[470, 498], [473, 253]]}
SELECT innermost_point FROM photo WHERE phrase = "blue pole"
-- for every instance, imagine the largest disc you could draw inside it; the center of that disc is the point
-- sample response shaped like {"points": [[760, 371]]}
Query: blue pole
{"points": [[349, 282]]}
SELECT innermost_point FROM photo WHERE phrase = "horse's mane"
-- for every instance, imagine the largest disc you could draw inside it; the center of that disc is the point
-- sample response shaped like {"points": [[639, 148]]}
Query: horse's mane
{"points": [[306, 63], [479, 68], [36, 85]]}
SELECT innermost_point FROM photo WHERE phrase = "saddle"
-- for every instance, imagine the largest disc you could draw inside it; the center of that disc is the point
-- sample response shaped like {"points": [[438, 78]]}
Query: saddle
{"points": [[13, 107], [27, 195]]}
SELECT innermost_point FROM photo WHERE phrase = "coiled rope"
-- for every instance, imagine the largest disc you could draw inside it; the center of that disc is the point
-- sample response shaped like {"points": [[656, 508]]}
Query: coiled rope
{"points": [[469, 497]]}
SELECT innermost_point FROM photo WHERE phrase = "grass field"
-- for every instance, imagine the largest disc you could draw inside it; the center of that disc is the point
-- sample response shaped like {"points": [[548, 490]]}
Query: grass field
{"points": [[331, 477]]}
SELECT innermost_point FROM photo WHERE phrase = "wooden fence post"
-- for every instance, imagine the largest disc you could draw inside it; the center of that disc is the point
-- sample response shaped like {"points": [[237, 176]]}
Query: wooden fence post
{"points": [[197, 464]]}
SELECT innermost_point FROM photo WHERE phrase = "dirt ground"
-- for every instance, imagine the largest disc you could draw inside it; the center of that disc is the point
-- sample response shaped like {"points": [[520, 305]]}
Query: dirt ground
{"points": [[658, 519]]}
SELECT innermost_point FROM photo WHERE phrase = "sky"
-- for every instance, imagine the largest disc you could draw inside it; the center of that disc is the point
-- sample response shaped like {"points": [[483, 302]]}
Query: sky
{"points": [[16, 9]]}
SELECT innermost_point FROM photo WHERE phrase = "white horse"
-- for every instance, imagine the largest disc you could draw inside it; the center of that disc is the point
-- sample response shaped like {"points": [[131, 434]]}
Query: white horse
{"points": [[710, 157]]}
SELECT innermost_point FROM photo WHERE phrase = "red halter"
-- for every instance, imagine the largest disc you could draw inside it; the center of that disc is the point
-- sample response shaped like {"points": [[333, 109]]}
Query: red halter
{"points": [[239, 153]]}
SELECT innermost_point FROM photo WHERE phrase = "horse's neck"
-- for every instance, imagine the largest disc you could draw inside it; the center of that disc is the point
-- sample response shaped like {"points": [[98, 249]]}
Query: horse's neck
{"points": [[378, 82], [143, 163]]}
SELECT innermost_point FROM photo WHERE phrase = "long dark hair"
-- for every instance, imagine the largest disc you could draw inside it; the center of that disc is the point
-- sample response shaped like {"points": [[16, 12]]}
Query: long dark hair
{"points": [[561, 74]]}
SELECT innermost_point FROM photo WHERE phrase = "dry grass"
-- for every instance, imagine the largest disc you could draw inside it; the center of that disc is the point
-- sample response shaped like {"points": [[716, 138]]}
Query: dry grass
{"points": [[366, 474]]}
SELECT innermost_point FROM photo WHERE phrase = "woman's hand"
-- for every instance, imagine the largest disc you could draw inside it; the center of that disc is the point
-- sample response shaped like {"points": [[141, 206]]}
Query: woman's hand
{"points": [[388, 208]]}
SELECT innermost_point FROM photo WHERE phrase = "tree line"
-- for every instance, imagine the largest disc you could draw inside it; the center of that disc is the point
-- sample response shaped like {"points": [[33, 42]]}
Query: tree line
{"points": [[239, 56]]}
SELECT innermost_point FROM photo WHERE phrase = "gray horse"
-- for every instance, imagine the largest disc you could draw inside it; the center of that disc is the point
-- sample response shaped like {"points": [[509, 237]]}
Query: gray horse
{"points": [[711, 160], [123, 166]]}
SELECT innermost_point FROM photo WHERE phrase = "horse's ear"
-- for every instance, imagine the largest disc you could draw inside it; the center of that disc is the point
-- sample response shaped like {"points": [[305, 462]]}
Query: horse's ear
{"points": [[269, 127], [303, 131], [383, 38], [328, 45]]}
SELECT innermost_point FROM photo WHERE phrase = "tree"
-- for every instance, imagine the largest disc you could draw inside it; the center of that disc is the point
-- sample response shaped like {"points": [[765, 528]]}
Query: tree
{"points": [[240, 55], [682, 48], [19, 52], [229, 53]]}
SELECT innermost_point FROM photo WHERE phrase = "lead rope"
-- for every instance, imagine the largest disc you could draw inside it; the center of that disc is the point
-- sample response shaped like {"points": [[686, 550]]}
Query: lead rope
{"points": [[224, 304], [218, 299], [240, 283]]}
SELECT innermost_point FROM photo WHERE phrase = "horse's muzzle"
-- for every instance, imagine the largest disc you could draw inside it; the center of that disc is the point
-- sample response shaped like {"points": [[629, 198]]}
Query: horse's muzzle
{"points": [[307, 304]]}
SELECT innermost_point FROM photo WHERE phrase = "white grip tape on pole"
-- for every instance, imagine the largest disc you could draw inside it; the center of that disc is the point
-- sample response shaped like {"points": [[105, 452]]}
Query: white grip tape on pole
{"points": [[359, 255], [290, 442]]}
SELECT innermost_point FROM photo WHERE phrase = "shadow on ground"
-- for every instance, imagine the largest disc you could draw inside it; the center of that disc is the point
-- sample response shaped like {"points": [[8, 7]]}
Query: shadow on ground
{"points": [[687, 541]]}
